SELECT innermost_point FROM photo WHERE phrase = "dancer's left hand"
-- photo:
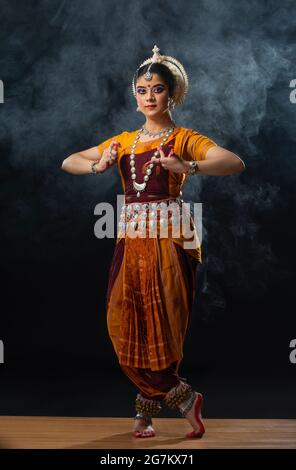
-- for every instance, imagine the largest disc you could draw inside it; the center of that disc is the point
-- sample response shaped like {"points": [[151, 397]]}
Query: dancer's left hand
{"points": [[172, 162]]}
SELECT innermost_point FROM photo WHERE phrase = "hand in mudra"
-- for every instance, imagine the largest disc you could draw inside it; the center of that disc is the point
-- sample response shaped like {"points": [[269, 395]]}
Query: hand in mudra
{"points": [[108, 157], [172, 162]]}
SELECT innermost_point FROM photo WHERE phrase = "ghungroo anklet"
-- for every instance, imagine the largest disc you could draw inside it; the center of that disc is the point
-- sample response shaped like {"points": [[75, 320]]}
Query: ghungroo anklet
{"points": [[177, 395], [185, 406], [147, 407]]}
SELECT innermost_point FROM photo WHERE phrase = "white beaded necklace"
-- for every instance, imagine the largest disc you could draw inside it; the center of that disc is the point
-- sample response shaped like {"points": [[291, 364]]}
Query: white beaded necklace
{"points": [[139, 187]]}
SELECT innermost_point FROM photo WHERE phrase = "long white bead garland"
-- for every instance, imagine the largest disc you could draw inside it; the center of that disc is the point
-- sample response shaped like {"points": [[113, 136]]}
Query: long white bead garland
{"points": [[139, 187]]}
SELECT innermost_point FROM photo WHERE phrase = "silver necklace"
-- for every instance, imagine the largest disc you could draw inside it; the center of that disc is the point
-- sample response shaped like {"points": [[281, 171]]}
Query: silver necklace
{"points": [[139, 187], [154, 134]]}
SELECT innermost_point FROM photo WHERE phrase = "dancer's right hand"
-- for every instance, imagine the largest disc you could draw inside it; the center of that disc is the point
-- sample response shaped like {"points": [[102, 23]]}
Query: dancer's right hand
{"points": [[109, 156]]}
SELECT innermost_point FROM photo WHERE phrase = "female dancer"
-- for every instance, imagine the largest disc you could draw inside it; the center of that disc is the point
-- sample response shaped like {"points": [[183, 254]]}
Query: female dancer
{"points": [[152, 277]]}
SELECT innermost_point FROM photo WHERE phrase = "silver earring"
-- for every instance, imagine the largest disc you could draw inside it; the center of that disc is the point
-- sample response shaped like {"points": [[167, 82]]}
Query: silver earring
{"points": [[171, 103], [170, 106], [138, 109]]}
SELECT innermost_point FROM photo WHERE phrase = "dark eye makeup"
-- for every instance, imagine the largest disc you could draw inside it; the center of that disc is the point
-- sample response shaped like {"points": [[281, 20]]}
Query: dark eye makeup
{"points": [[158, 89]]}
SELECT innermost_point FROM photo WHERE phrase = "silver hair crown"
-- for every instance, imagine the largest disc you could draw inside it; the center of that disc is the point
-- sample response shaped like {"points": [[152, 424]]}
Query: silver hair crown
{"points": [[177, 69]]}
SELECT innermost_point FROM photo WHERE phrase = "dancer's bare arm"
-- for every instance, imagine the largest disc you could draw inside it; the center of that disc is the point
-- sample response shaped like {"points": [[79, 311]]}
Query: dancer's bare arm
{"points": [[79, 163]]}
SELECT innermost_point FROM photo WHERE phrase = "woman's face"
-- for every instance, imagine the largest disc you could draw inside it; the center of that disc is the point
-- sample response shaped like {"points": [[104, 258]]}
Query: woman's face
{"points": [[152, 92]]}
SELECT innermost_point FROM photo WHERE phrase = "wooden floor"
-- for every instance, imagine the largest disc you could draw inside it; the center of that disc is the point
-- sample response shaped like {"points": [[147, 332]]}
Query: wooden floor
{"points": [[17, 432]]}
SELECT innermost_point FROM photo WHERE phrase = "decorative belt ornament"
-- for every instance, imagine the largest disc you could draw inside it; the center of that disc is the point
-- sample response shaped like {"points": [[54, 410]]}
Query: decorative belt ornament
{"points": [[136, 215]]}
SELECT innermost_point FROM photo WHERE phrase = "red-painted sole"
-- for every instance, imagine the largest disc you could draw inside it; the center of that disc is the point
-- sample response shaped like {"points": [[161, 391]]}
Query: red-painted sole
{"points": [[139, 434], [197, 410]]}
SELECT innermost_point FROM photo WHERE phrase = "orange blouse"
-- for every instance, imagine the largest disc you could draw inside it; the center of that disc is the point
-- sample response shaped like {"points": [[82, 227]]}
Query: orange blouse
{"points": [[188, 144]]}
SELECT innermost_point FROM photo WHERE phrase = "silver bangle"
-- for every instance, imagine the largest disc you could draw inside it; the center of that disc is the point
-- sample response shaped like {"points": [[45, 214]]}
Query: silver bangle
{"points": [[93, 170], [193, 168]]}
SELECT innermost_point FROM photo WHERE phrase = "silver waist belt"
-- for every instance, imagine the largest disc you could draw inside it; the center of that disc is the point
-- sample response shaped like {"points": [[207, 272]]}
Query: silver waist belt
{"points": [[136, 215]]}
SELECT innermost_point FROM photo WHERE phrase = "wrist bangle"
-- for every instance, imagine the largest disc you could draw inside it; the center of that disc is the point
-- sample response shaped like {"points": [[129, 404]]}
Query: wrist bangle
{"points": [[193, 168], [93, 169]]}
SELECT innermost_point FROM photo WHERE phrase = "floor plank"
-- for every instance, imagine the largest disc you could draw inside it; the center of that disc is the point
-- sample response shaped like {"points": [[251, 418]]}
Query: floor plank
{"points": [[26, 432]]}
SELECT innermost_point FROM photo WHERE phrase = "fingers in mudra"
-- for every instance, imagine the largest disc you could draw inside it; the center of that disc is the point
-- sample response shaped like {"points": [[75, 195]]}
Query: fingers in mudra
{"points": [[155, 159], [112, 151], [162, 159]]}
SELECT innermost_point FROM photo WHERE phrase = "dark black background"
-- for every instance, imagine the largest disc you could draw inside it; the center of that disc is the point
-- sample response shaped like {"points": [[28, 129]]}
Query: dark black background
{"points": [[67, 70]]}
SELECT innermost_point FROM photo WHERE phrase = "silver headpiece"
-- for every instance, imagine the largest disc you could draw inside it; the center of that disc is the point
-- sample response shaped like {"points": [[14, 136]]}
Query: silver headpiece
{"points": [[177, 69]]}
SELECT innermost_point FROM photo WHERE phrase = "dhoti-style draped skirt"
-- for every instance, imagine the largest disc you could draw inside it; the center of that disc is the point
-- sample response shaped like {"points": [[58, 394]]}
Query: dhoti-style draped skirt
{"points": [[151, 289]]}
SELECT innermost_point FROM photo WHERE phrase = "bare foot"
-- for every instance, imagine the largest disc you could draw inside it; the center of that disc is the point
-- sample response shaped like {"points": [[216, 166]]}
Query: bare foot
{"points": [[142, 429], [194, 417]]}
